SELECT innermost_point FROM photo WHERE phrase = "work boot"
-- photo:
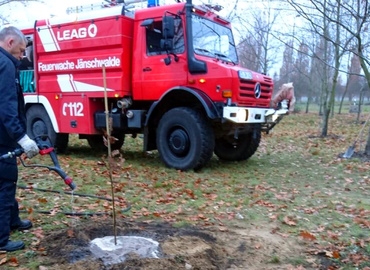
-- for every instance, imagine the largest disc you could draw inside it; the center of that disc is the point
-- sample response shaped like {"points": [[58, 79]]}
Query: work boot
{"points": [[12, 246], [23, 225]]}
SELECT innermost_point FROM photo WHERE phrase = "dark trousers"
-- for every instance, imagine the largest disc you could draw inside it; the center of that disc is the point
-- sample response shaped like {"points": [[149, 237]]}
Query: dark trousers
{"points": [[9, 212]]}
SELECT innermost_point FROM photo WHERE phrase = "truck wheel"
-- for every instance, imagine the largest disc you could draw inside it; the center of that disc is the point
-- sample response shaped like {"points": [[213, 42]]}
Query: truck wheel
{"points": [[243, 148], [96, 142], [185, 139], [39, 124]]}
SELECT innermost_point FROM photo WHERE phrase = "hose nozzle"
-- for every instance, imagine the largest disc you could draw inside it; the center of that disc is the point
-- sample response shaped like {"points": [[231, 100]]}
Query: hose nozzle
{"points": [[68, 181]]}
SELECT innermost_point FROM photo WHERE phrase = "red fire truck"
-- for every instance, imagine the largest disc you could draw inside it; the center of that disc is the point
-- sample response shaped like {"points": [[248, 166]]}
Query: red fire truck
{"points": [[171, 74]]}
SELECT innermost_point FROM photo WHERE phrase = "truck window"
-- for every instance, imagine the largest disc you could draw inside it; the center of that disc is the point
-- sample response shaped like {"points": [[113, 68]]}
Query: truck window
{"points": [[213, 40], [26, 71], [153, 39], [154, 36], [27, 60]]}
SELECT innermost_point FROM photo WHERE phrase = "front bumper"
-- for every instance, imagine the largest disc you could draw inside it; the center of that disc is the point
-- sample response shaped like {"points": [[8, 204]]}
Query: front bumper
{"points": [[247, 115]]}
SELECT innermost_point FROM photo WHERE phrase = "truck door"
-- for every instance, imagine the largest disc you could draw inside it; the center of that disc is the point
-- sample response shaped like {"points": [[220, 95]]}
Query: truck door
{"points": [[157, 77]]}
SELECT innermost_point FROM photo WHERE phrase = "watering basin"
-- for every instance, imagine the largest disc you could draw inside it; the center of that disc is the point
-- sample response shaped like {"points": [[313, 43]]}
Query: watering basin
{"points": [[110, 253]]}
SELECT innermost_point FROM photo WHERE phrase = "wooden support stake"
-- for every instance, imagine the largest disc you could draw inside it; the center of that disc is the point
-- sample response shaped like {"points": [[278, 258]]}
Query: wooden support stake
{"points": [[109, 154]]}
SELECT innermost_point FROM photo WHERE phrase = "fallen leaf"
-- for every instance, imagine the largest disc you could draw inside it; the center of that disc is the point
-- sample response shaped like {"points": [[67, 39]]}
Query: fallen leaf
{"points": [[3, 261], [333, 235], [223, 229], [308, 236], [13, 262], [328, 253], [42, 200], [336, 254], [70, 233], [362, 221], [273, 217], [289, 221]]}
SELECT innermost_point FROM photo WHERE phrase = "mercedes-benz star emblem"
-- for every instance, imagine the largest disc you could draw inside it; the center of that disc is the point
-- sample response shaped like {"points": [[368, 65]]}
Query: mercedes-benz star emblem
{"points": [[257, 90]]}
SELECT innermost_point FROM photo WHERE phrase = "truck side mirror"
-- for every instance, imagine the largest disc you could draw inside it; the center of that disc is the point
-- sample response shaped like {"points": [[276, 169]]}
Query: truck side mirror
{"points": [[168, 33], [166, 44], [168, 27]]}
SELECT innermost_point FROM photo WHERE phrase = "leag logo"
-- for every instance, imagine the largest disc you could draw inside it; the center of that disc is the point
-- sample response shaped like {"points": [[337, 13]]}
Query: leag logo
{"points": [[82, 32]]}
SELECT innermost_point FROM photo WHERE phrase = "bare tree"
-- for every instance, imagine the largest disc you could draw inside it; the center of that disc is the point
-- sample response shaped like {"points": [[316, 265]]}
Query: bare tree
{"points": [[350, 21], [288, 63], [360, 10], [301, 72], [362, 23], [256, 49], [353, 82], [5, 3], [325, 18]]}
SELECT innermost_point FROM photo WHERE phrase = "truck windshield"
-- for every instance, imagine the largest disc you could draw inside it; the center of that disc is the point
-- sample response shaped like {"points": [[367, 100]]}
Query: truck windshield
{"points": [[213, 40]]}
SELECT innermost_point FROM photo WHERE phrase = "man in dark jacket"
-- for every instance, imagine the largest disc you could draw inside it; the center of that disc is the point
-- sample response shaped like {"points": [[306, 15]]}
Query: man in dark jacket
{"points": [[12, 134]]}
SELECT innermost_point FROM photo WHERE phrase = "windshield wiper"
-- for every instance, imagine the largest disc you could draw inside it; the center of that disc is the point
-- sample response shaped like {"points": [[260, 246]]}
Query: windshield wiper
{"points": [[202, 50], [225, 57], [216, 54]]}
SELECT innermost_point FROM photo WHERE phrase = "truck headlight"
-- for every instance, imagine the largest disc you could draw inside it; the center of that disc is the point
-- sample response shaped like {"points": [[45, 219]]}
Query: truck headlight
{"points": [[242, 115], [245, 75]]}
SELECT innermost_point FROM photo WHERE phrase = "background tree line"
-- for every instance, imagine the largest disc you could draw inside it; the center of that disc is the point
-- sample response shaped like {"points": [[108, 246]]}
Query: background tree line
{"points": [[324, 51]]}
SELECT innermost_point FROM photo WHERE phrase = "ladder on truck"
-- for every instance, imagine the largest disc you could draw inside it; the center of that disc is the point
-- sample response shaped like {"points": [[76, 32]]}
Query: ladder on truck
{"points": [[106, 4]]}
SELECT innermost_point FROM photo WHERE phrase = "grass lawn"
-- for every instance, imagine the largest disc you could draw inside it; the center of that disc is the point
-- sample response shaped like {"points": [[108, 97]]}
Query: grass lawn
{"points": [[296, 184]]}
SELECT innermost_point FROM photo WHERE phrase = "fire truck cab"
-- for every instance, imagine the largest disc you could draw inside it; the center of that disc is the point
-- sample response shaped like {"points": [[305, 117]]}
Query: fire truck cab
{"points": [[168, 72]]}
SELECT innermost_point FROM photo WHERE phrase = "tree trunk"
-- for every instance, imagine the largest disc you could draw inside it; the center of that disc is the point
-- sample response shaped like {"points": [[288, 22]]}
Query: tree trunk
{"points": [[359, 106], [367, 148], [308, 103], [325, 120], [309, 96], [322, 99], [343, 96], [332, 107], [330, 97]]}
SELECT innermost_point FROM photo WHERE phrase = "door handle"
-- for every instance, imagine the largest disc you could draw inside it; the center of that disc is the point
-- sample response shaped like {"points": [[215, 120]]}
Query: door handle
{"points": [[147, 69]]}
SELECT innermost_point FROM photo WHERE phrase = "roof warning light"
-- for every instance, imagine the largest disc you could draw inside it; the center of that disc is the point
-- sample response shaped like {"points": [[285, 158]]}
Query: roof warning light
{"points": [[153, 3]]}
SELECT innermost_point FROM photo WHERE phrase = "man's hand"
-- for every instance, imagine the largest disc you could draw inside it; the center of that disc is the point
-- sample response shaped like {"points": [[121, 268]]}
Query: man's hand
{"points": [[29, 146]]}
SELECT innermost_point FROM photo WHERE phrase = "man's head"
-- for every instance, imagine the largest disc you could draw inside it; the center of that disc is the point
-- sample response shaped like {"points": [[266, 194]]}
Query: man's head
{"points": [[13, 41]]}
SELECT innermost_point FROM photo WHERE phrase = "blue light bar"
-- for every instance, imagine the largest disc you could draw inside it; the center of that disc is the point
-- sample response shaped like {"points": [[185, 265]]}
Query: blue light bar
{"points": [[153, 3]]}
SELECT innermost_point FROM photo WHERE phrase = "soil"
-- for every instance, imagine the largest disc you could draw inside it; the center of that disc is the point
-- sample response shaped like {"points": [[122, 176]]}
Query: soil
{"points": [[180, 248]]}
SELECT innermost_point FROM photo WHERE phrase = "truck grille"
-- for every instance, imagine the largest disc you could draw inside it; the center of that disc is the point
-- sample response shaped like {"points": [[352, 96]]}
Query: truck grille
{"points": [[247, 96]]}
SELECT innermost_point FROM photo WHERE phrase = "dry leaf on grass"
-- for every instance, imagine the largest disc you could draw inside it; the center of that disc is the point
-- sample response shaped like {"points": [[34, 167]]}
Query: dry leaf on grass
{"points": [[307, 235], [289, 221]]}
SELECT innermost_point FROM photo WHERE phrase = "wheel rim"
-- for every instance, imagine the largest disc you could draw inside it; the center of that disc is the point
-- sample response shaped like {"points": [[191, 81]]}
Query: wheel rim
{"points": [[179, 142], [39, 128]]}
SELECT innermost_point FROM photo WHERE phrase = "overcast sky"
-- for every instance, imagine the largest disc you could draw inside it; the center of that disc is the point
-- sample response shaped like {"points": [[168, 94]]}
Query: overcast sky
{"points": [[21, 15], [16, 12], [24, 16]]}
